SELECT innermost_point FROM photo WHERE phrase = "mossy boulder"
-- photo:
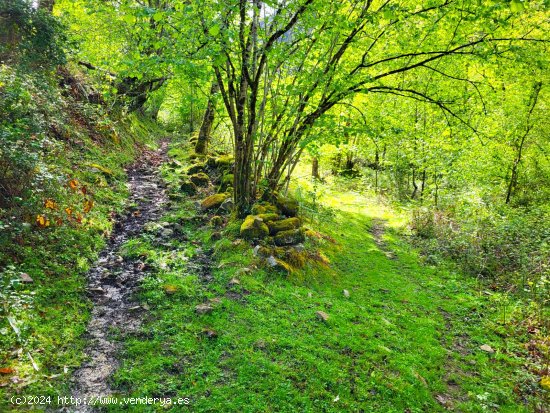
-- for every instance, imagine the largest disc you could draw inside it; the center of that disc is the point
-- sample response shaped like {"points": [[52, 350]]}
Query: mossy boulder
{"points": [[188, 187], [211, 161], [264, 208], [283, 225], [254, 228], [216, 221], [288, 206], [226, 182], [196, 168], [296, 259], [213, 201], [269, 217], [290, 237], [200, 179], [224, 162]]}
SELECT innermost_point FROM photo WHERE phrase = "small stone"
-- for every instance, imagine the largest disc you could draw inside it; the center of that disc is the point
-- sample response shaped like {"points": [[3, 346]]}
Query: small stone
{"points": [[216, 221], [322, 316], [209, 333], [227, 205], [299, 247], [26, 278], [309, 295], [167, 233], [204, 309], [346, 293], [272, 261], [487, 348]]}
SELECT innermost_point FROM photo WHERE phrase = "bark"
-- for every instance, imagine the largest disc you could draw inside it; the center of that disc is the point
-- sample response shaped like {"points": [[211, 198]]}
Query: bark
{"points": [[208, 120], [315, 168]]}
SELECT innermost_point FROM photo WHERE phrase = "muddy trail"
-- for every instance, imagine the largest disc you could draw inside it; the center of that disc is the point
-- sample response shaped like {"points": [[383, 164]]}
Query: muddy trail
{"points": [[113, 281]]}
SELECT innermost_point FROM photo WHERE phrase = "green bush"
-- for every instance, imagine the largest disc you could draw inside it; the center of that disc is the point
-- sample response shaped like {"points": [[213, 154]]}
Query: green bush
{"points": [[507, 246], [30, 36]]}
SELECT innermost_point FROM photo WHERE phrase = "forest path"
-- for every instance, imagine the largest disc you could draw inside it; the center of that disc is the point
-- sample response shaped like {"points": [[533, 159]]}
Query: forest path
{"points": [[113, 280]]}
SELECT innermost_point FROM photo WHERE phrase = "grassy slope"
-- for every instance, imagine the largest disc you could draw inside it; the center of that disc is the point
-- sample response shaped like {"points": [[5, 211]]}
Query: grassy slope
{"points": [[406, 335], [51, 313]]}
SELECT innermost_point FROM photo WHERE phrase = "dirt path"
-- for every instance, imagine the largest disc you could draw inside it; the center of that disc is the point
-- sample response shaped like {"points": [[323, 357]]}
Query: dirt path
{"points": [[113, 281], [377, 229]]}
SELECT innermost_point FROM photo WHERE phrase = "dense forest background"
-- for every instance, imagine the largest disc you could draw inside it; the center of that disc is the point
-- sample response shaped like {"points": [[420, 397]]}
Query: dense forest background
{"points": [[434, 110]]}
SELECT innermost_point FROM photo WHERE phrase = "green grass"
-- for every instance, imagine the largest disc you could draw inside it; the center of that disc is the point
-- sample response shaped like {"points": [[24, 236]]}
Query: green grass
{"points": [[406, 334]]}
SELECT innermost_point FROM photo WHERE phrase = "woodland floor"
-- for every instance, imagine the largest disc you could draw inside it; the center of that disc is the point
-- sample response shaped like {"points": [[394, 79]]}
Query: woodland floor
{"points": [[406, 338]]}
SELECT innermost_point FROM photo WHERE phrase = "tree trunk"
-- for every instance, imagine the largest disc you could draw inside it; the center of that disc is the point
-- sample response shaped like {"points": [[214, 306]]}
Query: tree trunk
{"points": [[423, 185], [415, 186], [208, 120], [315, 168]]}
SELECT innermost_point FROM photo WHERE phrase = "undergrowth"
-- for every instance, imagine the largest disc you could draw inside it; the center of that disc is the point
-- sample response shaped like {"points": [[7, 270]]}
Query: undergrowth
{"points": [[62, 183]]}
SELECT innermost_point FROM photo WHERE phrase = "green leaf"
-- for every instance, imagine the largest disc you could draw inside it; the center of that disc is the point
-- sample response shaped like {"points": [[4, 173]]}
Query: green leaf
{"points": [[214, 30], [516, 6]]}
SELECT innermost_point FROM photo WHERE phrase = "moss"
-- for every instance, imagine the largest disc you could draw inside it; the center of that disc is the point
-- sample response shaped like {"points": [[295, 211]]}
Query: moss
{"points": [[254, 228], [269, 217], [291, 237], [264, 208], [226, 182], [283, 225], [295, 258], [196, 168], [188, 187], [213, 201], [224, 161], [216, 221], [288, 206], [200, 179]]}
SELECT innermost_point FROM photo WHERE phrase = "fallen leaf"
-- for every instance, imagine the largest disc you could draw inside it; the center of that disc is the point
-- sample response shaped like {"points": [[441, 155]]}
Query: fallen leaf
{"points": [[73, 184], [88, 205], [487, 348], [321, 315], [42, 221], [50, 204], [6, 370], [26, 278], [170, 289], [545, 382]]}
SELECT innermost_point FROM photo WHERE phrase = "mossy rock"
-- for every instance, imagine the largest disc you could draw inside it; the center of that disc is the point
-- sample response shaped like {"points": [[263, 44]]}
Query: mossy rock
{"points": [[288, 206], [200, 179], [226, 182], [283, 225], [291, 237], [254, 228], [264, 208], [216, 221], [213, 201], [196, 168], [224, 161], [296, 259], [211, 161], [269, 217], [188, 187]]}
